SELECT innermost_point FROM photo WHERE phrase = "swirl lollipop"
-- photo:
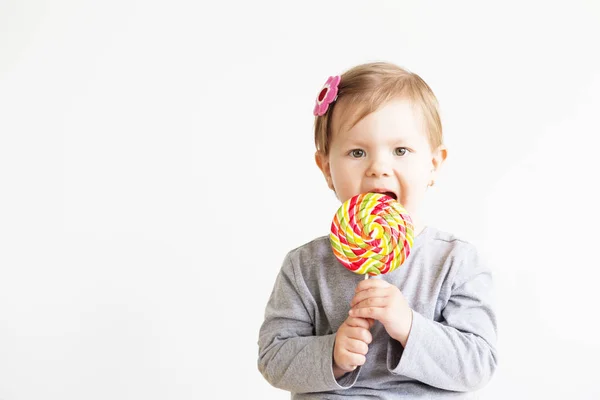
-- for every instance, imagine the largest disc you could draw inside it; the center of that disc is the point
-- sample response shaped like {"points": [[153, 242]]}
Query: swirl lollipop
{"points": [[371, 234]]}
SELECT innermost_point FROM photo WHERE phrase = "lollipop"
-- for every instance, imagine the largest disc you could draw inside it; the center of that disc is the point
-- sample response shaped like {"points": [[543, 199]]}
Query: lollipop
{"points": [[371, 234]]}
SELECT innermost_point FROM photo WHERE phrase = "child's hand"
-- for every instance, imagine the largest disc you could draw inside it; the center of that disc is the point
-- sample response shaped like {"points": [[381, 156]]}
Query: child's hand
{"points": [[377, 299], [351, 345]]}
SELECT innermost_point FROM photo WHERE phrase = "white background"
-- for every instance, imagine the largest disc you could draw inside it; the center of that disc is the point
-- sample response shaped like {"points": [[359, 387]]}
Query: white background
{"points": [[156, 164]]}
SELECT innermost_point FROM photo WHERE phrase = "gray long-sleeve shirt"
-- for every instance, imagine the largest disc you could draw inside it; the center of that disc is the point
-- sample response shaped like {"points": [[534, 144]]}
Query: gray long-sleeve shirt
{"points": [[451, 346]]}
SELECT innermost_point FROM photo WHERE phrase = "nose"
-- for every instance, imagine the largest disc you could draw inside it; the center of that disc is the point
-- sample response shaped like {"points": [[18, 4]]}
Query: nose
{"points": [[379, 166]]}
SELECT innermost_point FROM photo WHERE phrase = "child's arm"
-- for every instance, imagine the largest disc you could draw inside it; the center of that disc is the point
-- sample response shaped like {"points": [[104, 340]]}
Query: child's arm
{"points": [[456, 354], [291, 357]]}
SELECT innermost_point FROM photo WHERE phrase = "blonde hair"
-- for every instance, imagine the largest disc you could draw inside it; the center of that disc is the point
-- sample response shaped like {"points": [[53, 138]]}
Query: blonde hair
{"points": [[367, 87]]}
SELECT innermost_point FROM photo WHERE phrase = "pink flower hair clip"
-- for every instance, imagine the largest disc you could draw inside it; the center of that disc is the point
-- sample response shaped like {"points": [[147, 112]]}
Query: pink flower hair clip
{"points": [[327, 95]]}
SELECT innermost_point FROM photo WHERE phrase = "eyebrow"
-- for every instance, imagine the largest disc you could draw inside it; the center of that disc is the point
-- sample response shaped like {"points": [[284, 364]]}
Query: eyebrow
{"points": [[359, 141]]}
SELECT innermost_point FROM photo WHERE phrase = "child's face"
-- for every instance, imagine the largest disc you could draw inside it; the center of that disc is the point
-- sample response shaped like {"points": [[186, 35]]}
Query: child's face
{"points": [[387, 151]]}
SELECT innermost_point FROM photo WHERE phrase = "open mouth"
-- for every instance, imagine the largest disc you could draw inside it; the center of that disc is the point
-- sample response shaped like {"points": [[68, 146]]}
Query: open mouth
{"points": [[392, 195], [389, 194]]}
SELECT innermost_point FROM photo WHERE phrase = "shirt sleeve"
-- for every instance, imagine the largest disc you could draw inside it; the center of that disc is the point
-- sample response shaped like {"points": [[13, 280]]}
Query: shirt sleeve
{"points": [[291, 357], [459, 352]]}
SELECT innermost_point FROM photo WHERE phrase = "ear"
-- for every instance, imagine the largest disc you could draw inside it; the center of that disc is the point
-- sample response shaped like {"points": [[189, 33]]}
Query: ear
{"points": [[438, 157], [323, 163]]}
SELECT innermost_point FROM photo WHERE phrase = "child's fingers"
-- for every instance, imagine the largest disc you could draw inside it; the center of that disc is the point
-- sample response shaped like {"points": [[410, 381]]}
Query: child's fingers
{"points": [[372, 302], [368, 293], [366, 284], [357, 347], [351, 360], [354, 360], [362, 334], [366, 323], [368, 312], [357, 322]]}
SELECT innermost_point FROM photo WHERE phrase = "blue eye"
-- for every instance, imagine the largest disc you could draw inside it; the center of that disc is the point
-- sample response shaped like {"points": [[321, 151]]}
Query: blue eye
{"points": [[357, 153], [400, 151]]}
